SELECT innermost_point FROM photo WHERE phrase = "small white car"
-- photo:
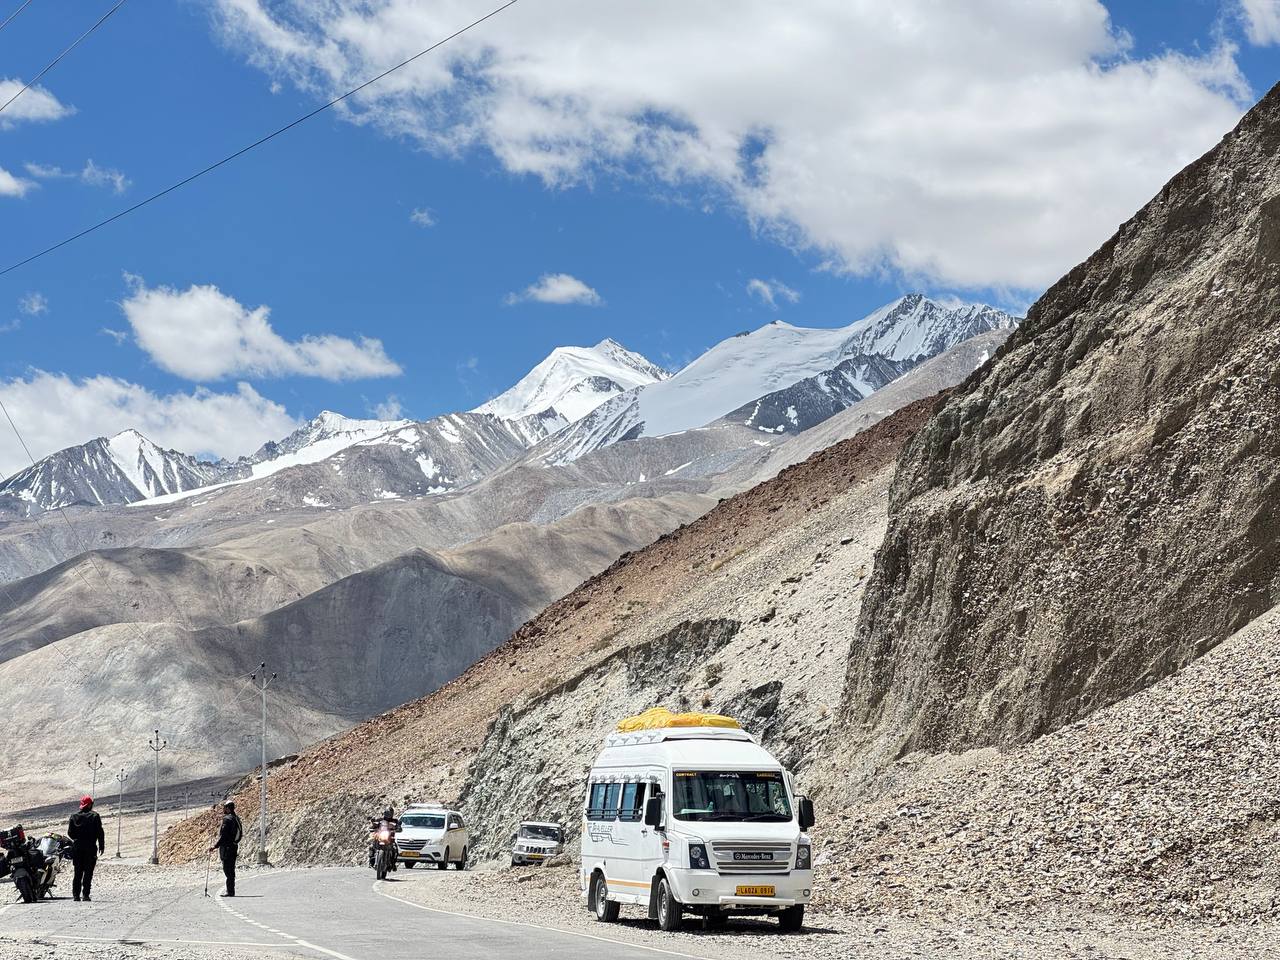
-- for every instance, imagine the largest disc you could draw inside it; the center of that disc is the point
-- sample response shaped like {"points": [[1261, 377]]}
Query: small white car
{"points": [[430, 833], [536, 842]]}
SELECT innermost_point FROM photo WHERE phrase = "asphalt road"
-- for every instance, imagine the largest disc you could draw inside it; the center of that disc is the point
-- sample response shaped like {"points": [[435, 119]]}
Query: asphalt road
{"points": [[339, 913]]}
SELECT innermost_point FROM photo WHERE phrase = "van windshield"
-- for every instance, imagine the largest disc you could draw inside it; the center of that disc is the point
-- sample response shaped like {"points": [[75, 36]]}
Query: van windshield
{"points": [[730, 795], [423, 821], [538, 831]]}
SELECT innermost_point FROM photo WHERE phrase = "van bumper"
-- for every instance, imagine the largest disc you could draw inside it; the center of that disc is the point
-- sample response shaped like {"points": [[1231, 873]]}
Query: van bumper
{"points": [[706, 888]]}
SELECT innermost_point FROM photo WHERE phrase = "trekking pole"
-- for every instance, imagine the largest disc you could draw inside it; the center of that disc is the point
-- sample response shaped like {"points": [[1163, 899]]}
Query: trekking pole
{"points": [[208, 859]]}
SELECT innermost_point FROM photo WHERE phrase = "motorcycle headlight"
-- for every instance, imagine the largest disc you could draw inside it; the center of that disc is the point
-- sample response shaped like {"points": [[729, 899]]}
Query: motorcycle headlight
{"points": [[384, 835], [804, 857], [698, 856]]}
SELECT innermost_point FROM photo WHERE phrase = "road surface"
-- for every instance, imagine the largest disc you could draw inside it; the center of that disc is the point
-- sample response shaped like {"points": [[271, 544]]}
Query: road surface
{"points": [[339, 913]]}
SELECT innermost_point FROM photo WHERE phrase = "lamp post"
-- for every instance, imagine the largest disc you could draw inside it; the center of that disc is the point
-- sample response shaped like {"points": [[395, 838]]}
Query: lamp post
{"points": [[156, 746], [121, 777], [260, 677]]}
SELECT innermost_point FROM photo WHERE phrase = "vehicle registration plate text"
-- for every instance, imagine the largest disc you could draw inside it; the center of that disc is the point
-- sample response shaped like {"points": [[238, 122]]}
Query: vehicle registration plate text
{"points": [[755, 891]]}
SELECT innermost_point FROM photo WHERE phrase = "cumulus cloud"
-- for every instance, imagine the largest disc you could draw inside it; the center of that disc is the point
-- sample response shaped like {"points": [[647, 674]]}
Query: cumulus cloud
{"points": [[202, 334], [35, 104], [423, 217], [769, 292], [389, 409], [560, 288], [33, 304], [56, 411], [11, 186], [991, 143], [97, 176], [1261, 20]]}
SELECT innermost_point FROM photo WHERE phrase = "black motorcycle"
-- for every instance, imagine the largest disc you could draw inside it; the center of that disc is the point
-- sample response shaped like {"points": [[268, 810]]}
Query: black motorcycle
{"points": [[383, 850], [53, 849], [22, 862]]}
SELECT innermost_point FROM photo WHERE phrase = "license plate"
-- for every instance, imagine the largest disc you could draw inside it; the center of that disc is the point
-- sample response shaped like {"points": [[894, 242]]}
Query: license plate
{"points": [[753, 856], [409, 853], [755, 891]]}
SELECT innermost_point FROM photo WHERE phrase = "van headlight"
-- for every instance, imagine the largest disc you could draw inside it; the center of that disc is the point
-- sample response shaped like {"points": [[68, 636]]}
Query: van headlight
{"points": [[698, 856], [804, 857]]}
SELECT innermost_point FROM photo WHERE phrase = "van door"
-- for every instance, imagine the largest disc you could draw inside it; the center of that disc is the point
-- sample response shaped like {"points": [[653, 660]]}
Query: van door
{"points": [[643, 853]]}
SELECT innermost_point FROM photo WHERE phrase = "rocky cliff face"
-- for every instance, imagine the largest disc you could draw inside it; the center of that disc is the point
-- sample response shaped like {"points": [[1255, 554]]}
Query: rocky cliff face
{"points": [[1098, 506]]}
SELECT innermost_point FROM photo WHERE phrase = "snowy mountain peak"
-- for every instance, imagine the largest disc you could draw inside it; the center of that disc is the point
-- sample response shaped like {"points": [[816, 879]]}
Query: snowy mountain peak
{"points": [[573, 381]]}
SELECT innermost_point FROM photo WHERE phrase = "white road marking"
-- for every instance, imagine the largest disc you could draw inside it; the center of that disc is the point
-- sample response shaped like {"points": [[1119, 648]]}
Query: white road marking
{"points": [[211, 943], [538, 926], [297, 941]]}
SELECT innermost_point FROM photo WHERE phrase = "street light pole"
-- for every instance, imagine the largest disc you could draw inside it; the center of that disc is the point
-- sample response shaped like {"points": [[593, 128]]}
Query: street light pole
{"points": [[121, 777], [95, 765], [264, 682], [156, 746]]}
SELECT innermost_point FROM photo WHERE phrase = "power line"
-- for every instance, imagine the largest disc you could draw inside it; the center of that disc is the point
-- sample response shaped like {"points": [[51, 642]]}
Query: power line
{"points": [[257, 143], [25, 4], [54, 62]]}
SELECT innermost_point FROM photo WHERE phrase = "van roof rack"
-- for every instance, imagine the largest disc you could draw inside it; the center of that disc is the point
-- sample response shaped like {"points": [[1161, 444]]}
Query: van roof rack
{"points": [[678, 733]]}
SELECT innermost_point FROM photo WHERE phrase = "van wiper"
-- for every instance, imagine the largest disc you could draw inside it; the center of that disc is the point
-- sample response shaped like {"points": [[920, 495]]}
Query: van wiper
{"points": [[770, 817]]}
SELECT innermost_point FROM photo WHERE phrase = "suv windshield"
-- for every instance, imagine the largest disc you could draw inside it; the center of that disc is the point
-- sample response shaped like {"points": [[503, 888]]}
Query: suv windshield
{"points": [[730, 795], [529, 831], [423, 821]]}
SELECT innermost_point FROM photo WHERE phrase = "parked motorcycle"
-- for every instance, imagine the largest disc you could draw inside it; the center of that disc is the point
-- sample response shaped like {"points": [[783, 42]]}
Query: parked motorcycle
{"points": [[53, 848], [382, 839], [21, 861]]}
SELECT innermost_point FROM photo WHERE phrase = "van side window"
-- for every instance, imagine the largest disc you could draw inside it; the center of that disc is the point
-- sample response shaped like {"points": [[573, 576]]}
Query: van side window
{"points": [[611, 795], [632, 802], [595, 806]]}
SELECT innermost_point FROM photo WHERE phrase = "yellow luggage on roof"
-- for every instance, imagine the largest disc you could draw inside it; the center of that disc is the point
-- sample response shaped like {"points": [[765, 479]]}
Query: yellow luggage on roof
{"points": [[659, 718]]}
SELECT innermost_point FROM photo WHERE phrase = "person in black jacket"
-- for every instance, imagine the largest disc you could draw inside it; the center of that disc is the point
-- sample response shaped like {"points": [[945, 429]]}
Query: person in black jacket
{"points": [[228, 845], [87, 841]]}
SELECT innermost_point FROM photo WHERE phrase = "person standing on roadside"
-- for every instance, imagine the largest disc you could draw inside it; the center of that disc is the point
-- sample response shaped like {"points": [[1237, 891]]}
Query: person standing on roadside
{"points": [[87, 841], [228, 845]]}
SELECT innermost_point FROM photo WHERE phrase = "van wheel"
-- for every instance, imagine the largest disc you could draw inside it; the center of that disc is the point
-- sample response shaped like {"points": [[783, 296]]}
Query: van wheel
{"points": [[462, 861], [606, 909], [670, 913], [443, 864], [792, 919]]}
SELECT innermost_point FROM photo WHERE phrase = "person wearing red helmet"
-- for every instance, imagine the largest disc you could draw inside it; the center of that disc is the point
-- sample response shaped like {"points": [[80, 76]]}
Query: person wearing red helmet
{"points": [[87, 841]]}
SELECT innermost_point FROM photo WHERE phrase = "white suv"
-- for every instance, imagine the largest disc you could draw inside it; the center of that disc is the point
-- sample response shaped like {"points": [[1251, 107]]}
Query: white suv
{"points": [[536, 842], [430, 833]]}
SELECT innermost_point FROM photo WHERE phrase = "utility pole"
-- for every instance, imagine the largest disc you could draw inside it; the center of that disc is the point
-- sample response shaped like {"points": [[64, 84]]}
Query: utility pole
{"points": [[260, 677], [121, 777], [156, 746], [95, 765]]}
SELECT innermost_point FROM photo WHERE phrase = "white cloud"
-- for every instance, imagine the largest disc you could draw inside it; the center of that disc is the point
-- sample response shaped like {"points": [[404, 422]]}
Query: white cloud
{"points": [[97, 176], [1261, 20], [35, 104], [423, 217], [33, 304], [389, 409], [119, 336], [560, 288], [202, 334], [54, 411], [770, 292], [994, 142], [11, 186], [43, 171]]}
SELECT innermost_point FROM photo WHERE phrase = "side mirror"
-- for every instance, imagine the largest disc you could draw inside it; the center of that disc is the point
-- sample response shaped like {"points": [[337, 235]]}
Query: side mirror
{"points": [[806, 813], [653, 811]]}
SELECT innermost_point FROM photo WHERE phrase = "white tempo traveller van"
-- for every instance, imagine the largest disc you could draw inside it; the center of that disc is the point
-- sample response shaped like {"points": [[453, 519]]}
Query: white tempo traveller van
{"points": [[694, 819]]}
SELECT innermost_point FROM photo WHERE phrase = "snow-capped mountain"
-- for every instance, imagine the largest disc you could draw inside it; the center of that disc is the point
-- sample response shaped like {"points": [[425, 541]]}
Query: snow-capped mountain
{"points": [[318, 439], [769, 376], [120, 469], [569, 384]]}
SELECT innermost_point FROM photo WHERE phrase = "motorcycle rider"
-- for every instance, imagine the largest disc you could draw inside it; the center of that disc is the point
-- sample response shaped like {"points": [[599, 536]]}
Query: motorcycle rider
{"points": [[228, 845], [387, 821], [84, 829]]}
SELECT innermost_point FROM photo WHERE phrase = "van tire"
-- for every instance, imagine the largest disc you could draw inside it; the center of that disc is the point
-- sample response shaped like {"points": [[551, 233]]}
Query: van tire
{"points": [[443, 862], [606, 909], [670, 913], [792, 919], [462, 861]]}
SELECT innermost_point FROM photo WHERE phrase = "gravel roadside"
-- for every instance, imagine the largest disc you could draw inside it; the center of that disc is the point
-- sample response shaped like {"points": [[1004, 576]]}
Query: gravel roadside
{"points": [[549, 897]]}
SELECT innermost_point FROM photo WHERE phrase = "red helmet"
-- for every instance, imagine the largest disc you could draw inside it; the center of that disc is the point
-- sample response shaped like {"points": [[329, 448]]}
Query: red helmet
{"points": [[86, 801]]}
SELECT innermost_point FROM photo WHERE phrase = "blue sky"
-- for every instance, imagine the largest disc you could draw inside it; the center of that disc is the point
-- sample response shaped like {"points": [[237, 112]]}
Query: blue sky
{"points": [[318, 225]]}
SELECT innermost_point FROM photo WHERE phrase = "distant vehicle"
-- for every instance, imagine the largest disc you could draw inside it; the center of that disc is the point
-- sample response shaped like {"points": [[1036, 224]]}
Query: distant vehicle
{"points": [[431, 833], [382, 840], [536, 842], [689, 814]]}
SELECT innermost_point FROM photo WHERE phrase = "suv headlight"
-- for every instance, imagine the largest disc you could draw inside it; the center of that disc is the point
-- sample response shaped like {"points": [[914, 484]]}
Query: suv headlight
{"points": [[698, 856], [804, 857]]}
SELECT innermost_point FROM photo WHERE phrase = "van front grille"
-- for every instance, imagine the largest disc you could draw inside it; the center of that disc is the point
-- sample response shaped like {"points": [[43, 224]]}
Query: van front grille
{"points": [[732, 857]]}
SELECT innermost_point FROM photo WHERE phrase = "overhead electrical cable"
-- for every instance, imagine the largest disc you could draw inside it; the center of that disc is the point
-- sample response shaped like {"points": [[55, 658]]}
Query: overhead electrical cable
{"points": [[25, 4], [54, 62], [257, 143]]}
